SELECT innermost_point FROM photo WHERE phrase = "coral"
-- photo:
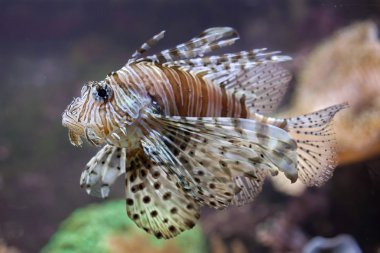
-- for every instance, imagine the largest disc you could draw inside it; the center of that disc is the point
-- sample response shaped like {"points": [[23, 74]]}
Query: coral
{"points": [[102, 228]]}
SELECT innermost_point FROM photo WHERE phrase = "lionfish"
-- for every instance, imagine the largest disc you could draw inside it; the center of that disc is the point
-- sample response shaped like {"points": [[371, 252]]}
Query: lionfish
{"points": [[190, 130]]}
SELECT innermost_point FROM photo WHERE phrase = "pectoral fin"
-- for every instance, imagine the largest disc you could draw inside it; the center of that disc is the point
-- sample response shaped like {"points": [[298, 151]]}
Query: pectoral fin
{"points": [[211, 157]]}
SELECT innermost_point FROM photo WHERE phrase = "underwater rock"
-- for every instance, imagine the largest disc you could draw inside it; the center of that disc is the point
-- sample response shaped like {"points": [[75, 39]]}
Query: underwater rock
{"points": [[346, 68], [105, 228], [218, 245], [280, 234], [6, 249], [338, 244]]}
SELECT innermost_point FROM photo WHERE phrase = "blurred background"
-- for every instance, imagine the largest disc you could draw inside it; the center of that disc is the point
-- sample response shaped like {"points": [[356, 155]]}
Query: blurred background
{"points": [[48, 49]]}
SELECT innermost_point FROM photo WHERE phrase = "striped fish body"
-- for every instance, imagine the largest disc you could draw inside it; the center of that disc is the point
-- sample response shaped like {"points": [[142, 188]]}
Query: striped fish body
{"points": [[181, 93], [189, 130]]}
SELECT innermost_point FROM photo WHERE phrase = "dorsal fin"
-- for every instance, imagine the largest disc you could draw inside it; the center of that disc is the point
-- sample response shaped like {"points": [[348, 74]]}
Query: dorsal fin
{"points": [[147, 45], [254, 74], [207, 41], [263, 86]]}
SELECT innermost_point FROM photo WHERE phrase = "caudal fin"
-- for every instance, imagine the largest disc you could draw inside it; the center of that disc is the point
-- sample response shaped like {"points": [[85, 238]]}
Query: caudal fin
{"points": [[316, 145]]}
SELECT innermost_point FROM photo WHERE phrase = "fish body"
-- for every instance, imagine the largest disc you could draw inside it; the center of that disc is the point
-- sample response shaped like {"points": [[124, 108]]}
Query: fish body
{"points": [[189, 130]]}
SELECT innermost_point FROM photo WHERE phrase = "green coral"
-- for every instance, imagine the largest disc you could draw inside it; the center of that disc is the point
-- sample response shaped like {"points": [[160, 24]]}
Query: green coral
{"points": [[87, 229]]}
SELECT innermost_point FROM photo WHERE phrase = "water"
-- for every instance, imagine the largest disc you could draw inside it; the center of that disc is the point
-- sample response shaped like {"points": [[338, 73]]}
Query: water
{"points": [[50, 48]]}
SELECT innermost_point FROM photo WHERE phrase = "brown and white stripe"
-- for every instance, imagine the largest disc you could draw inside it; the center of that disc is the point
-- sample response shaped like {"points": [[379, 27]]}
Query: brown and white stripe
{"points": [[189, 130], [184, 93]]}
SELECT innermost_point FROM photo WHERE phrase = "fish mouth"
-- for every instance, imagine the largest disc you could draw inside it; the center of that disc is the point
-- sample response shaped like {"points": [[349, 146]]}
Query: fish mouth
{"points": [[75, 139], [78, 130], [75, 130]]}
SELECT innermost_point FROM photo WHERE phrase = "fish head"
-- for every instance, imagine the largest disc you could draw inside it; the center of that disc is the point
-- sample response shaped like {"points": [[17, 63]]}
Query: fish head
{"points": [[90, 115]]}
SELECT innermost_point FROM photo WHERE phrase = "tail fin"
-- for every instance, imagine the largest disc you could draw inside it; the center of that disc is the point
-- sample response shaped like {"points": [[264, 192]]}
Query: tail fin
{"points": [[316, 145]]}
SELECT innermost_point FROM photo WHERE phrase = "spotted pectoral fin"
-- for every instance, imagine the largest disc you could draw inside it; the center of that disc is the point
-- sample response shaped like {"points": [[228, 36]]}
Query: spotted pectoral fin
{"points": [[203, 180], [102, 171], [209, 155], [155, 200]]}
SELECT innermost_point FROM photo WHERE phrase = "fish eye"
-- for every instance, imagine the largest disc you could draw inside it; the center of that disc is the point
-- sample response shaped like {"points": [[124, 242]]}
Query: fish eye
{"points": [[102, 93]]}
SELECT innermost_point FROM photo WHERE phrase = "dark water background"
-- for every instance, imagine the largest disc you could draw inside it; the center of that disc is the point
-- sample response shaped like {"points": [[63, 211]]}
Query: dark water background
{"points": [[48, 49]]}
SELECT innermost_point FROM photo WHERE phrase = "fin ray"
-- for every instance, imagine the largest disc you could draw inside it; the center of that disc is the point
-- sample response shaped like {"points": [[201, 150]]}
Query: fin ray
{"points": [[227, 148], [208, 41], [257, 76], [147, 45], [316, 144]]}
